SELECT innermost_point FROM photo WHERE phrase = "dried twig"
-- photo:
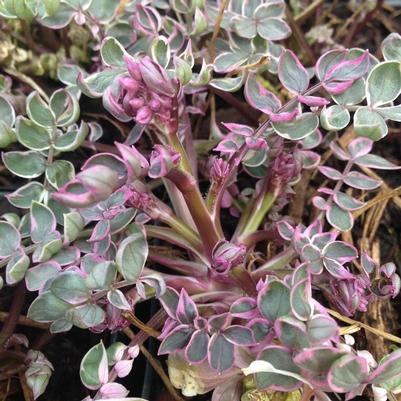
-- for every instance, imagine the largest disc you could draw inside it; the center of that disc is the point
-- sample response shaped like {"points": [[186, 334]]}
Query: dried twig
{"points": [[217, 26], [159, 370], [373, 330], [140, 325]]}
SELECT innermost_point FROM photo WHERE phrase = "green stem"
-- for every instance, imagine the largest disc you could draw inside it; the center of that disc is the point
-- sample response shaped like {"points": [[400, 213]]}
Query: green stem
{"points": [[180, 227], [259, 213], [176, 144]]}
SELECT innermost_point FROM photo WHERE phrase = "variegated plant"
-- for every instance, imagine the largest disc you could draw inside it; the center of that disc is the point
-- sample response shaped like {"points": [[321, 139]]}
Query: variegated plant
{"points": [[169, 214]]}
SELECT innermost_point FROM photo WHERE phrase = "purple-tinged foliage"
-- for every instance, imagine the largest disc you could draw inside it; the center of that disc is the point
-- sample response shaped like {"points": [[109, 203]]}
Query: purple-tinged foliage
{"points": [[142, 217]]}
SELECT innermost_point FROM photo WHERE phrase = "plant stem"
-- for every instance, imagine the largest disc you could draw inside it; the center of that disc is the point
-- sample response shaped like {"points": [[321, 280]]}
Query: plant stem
{"points": [[216, 29], [169, 235], [140, 325], [373, 330], [179, 265], [24, 321], [196, 205], [29, 81], [12, 320], [180, 227], [259, 212], [159, 370], [176, 144]]}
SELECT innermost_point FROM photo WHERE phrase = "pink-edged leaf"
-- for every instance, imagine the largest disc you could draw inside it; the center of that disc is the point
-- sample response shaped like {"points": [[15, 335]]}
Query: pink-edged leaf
{"points": [[377, 162], [186, 309], [100, 232], [259, 97], [291, 332], [340, 251], [310, 159], [388, 369], [43, 222], [340, 219], [360, 146], [358, 180], [261, 329], [10, 239], [136, 163], [336, 269], [196, 350], [311, 254], [244, 307], [113, 391], [291, 73], [176, 340], [300, 299], [349, 69], [322, 328], [169, 301], [347, 373], [312, 141], [285, 230], [322, 239], [283, 117], [281, 358], [319, 202], [368, 264], [327, 61], [325, 190], [229, 145], [331, 173], [313, 101], [315, 228], [219, 322], [124, 367], [238, 129], [220, 353], [318, 359], [239, 335], [335, 88], [273, 300], [339, 152], [347, 202]]}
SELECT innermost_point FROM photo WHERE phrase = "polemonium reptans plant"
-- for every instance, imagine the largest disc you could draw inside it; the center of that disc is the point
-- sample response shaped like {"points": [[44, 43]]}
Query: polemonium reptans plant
{"points": [[182, 212]]}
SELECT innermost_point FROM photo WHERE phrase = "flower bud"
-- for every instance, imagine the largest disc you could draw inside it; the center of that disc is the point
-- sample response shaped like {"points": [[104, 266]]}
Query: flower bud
{"points": [[144, 115], [219, 170], [156, 78]]}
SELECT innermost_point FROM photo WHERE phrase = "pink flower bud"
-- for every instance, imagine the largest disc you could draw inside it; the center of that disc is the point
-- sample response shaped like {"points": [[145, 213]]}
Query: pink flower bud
{"points": [[155, 104], [133, 68], [137, 102], [156, 78], [144, 115], [285, 168], [220, 169], [129, 84]]}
